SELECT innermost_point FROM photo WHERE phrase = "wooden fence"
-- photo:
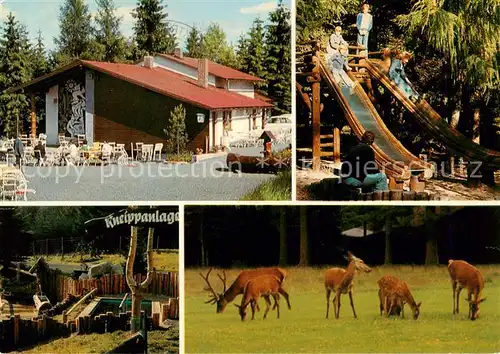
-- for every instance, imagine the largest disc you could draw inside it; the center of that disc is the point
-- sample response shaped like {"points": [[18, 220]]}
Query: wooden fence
{"points": [[16, 333], [57, 286]]}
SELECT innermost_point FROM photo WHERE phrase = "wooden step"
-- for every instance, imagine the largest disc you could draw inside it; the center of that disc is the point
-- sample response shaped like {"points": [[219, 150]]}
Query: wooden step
{"points": [[326, 136], [326, 153], [326, 145]]}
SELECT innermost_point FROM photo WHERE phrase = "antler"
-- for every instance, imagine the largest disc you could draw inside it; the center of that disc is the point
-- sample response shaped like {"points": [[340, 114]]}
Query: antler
{"points": [[223, 279], [214, 297]]}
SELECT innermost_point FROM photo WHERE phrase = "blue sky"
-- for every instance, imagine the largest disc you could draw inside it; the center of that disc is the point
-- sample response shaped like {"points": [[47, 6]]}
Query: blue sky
{"points": [[234, 16]]}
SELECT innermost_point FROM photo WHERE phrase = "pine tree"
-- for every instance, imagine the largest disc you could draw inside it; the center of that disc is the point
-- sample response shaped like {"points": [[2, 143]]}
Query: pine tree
{"points": [[152, 32], [176, 130], [194, 43], [108, 32], [216, 48], [39, 57], [278, 59], [255, 63], [15, 70], [75, 32], [242, 52]]}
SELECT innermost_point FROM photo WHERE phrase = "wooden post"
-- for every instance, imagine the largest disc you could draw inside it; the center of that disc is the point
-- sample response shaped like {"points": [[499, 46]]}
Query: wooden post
{"points": [[33, 116], [16, 329], [336, 145], [316, 125]]}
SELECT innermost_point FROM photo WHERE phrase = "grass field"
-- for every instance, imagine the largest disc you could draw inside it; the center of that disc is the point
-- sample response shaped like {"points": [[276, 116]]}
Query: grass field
{"points": [[279, 188], [158, 342], [164, 260], [305, 329]]}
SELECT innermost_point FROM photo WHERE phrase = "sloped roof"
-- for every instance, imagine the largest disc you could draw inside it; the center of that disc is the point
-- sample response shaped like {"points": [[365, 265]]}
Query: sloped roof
{"points": [[214, 68], [166, 83]]}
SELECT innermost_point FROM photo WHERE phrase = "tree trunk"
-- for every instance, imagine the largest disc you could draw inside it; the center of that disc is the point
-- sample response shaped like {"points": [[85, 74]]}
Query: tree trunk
{"points": [[304, 237], [202, 244], [283, 237], [431, 247], [476, 120], [135, 287], [388, 246]]}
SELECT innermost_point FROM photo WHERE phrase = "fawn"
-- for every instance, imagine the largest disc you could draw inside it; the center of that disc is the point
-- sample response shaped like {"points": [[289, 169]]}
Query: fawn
{"points": [[464, 275], [341, 282], [238, 286], [262, 286], [394, 293]]}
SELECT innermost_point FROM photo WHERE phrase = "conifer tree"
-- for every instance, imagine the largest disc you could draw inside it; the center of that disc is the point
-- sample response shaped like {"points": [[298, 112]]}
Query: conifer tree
{"points": [[152, 32], [278, 59], [15, 70], [216, 48], [75, 32], [255, 62], [194, 47], [108, 33]]}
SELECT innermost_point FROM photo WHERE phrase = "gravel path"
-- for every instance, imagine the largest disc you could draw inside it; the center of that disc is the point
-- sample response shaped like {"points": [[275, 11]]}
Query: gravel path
{"points": [[205, 180]]}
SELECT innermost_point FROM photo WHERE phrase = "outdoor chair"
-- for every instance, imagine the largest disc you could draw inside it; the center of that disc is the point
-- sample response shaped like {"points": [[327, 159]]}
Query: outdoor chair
{"points": [[80, 138], [28, 156], [137, 150], [38, 157], [8, 187], [106, 158], [157, 151], [147, 152]]}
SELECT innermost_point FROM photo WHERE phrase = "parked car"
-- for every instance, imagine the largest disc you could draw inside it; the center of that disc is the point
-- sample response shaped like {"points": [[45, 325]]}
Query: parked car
{"points": [[277, 123]]}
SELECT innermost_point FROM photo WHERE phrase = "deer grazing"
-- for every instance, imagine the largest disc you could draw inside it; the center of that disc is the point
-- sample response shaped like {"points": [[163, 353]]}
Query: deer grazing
{"points": [[464, 275], [262, 286], [238, 286], [393, 294], [340, 281]]}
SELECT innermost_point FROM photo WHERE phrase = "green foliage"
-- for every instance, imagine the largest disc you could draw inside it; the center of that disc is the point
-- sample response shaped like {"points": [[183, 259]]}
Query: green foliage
{"points": [[176, 130], [108, 33], [278, 58], [216, 48], [252, 54], [194, 43], [15, 70], [152, 33], [75, 32], [316, 17], [46, 222]]}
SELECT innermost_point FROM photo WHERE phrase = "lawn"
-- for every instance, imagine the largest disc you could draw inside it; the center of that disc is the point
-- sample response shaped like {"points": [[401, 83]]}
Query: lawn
{"points": [[279, 188], [164, 260], [158, 342], [305, 329]]}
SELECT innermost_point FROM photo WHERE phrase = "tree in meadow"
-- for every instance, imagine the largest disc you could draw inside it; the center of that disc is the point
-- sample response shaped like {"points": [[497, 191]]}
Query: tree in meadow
{"points": [[15, 70], [108, 33], [75, 40], [152, 33], [278, 58], [194, 43]]}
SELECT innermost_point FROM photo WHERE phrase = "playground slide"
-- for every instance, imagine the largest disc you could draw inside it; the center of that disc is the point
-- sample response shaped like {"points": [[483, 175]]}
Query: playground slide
{"points": [[430, 120], [362, 116]]}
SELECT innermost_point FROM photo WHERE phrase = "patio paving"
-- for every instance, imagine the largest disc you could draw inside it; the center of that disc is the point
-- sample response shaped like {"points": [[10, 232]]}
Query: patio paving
{"points": [[206, 180]]}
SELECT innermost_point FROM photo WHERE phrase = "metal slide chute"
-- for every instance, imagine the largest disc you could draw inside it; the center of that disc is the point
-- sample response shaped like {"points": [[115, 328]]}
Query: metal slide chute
{"points": [[432, 122]]}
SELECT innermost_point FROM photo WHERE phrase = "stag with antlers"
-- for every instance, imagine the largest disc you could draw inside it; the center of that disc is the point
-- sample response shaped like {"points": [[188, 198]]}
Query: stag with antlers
{"points": [[238, 286]]}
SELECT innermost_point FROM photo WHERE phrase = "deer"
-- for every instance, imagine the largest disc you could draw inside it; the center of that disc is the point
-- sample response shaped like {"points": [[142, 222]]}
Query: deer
{"points": [[340, 281], [262, 286], [464, 275], [394, 293], [238, 286]]}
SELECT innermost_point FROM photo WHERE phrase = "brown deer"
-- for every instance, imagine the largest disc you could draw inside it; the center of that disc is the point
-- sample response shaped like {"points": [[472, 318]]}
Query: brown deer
{"points": [[394, 293], [340, 281], [262, 286], [238, 286], [464, 275]]}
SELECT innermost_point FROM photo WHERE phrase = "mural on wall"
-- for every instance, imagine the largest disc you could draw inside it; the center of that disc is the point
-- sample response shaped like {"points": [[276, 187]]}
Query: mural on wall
{"points": [[72, 108]]}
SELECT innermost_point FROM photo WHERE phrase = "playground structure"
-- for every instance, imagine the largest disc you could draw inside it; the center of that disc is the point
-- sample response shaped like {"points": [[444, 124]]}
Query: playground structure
{"points": [[404, 169]]}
